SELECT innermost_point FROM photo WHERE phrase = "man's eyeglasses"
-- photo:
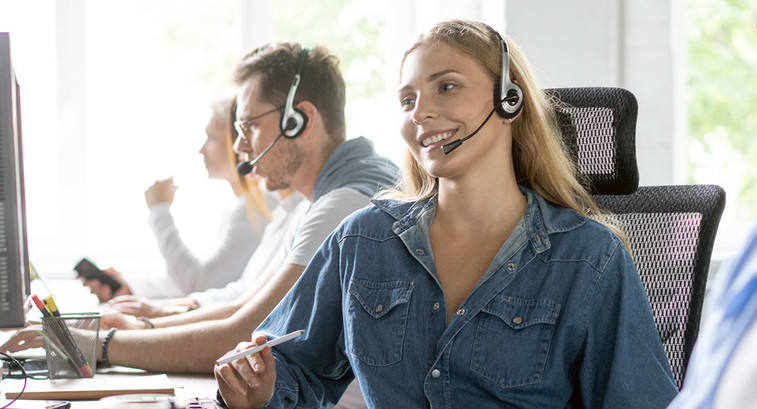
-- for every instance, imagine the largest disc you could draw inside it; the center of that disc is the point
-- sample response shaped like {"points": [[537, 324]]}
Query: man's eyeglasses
{"points": [[243, 127]]}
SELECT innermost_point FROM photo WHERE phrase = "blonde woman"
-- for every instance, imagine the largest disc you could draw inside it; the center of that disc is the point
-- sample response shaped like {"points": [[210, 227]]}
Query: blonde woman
{"points": [[239, 235], [482, 281]]}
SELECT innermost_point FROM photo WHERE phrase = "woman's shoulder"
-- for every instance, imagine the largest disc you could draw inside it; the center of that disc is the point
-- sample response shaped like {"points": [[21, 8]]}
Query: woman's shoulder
{"points": [[574, 236], [378, 217], [568, 222]]}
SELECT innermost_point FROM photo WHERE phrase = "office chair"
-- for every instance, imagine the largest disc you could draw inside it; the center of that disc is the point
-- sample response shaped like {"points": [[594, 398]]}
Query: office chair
{"points": [[671, 229]]}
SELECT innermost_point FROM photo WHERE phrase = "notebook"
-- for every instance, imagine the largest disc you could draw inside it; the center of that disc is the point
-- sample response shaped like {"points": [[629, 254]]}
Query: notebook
{"points": [[102, 385]]}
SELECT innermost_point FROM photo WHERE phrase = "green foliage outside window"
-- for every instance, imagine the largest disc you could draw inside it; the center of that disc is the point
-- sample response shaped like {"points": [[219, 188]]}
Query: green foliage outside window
{"points": [[350, 29], [722, 100]]}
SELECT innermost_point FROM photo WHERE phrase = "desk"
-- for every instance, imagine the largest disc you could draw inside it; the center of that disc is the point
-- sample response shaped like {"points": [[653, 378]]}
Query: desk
{"points": [[71, 295]]}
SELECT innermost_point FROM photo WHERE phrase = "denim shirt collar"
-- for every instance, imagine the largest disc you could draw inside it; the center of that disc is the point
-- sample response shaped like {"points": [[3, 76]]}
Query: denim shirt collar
{"points": [[540, 220]]}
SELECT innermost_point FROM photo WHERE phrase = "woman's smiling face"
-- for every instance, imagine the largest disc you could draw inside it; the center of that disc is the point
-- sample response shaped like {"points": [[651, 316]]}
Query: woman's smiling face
{"points": [[444, 96]]}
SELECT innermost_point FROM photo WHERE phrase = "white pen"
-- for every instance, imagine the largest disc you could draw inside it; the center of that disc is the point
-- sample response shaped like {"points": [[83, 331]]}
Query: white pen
{"points": [[258, 348]]}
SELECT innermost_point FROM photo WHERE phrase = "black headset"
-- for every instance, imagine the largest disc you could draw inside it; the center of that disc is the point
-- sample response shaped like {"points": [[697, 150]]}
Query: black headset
{"points": [[293, 120], [508, 97]]}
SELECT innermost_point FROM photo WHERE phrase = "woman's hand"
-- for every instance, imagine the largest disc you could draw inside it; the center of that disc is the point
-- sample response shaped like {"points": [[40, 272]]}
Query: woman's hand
{"points": [[249, 381], [115, 319], [145, 307], [138, 306], [162, 191]]}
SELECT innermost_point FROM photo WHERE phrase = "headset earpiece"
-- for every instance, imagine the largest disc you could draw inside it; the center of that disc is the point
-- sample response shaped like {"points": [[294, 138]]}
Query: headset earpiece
{"points": [[295, 123], [508, 97], [293, 120]]}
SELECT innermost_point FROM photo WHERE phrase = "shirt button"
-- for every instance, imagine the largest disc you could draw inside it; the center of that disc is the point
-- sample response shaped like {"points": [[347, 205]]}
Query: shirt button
{"points": [[436, 373], [379, 308], [461, 312], [510, 267], [419, 252], [517, 320], [436, 306]]}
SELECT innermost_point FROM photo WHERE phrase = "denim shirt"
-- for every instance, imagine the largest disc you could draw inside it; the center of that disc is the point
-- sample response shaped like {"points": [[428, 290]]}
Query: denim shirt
{"points": [[559, 320]]}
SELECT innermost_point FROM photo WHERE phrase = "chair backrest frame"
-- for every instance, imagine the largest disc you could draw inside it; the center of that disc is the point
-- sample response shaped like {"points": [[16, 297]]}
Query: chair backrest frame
{"points": [[599, 128], [673, 256]]}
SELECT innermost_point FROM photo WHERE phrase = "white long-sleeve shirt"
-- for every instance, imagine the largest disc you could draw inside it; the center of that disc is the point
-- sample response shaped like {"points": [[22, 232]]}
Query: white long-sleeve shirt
{"points": [[186, 271], [269, 254]]}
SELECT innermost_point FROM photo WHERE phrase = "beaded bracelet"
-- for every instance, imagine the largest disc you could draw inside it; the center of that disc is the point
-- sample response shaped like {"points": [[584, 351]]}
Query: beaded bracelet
{"points": [[105, 361], [146, 321]]}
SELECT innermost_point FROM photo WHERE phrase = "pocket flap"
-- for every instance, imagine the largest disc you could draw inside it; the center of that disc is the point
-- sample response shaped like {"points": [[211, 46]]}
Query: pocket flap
{"points": [[378, 298], [520, 313]]}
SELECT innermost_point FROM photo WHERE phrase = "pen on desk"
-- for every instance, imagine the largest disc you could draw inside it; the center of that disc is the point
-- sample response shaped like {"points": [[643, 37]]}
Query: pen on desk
{"points": [[258, 348]]}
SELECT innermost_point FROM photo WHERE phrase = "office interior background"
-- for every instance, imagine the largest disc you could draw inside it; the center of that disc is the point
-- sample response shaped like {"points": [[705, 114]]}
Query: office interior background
{"points": [[116, 94]]}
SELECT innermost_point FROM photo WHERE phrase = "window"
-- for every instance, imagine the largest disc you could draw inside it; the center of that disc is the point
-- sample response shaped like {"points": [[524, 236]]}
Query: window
{"points": [[722, 96], [116, 95]]}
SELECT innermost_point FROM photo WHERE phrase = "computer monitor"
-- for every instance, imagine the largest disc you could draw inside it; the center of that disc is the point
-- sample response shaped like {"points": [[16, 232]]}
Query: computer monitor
{"points": [[15, 285]]}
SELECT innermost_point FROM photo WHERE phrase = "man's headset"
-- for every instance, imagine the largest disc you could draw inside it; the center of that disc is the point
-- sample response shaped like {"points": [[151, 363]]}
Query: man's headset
{"points": [[293, 120], [508, 97]]}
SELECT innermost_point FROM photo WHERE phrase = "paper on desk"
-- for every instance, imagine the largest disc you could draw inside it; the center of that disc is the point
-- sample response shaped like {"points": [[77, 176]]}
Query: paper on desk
{"points": [[100, 386]]}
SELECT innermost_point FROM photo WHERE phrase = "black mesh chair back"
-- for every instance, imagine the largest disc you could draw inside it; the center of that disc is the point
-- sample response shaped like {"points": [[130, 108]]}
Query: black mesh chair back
{"points": [[599, 127], [671, 229]]}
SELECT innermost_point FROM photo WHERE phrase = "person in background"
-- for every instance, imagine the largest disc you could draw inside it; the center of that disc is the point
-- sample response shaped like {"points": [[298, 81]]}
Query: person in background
{"points": [[483, 281], [336, 176], [216, 302], [240, 231]]}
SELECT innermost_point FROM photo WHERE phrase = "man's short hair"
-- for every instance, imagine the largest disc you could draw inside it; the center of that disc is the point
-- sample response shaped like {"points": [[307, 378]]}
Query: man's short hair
{"points": [[321, 81]]}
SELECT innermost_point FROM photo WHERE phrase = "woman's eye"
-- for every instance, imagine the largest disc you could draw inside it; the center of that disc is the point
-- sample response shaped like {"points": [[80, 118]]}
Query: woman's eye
{"points": [[407, 101], [446, 87]]}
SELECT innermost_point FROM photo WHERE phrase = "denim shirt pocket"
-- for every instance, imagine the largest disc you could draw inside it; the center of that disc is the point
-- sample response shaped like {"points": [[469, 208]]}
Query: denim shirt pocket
{"points": [[513, 339], [378, 316]]}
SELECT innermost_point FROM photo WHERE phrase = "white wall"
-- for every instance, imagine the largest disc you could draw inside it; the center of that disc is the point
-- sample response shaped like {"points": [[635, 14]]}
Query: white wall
{"points": [[635, 44]]}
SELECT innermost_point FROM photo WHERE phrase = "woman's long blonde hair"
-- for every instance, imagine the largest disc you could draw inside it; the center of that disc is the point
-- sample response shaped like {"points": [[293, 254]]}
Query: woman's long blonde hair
{"points": [[540, 157], [225, 110]]}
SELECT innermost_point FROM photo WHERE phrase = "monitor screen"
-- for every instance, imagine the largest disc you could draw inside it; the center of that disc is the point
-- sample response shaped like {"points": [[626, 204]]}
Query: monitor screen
{"points": [[14, 258]]}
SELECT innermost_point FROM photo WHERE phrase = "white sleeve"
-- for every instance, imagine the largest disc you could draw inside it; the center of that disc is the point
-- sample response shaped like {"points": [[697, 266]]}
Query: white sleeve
{"points": [[269, 255], [154, 284], [320, 220], [237, 242]]}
